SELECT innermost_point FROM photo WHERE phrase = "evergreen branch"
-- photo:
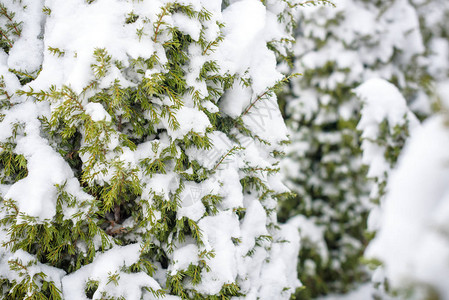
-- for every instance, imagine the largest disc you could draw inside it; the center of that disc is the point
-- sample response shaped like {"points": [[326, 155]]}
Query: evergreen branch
{"points": [[4, 11], [173, 97], [165, 12], [312, 3], [255, 101], [173, 123], [269, 92], [103, 60], [17, 264], [230, 152], [10, 16], [46, 10], [91, 85], [4, 92], [67, 92], [24, 78], [56, 51], [259, 169], [16, 30], [6, 38], [213, 44]]}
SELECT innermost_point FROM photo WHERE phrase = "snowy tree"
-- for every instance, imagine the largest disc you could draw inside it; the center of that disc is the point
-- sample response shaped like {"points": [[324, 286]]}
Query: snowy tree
{"points": [[386, 123], [338, 49], [409, 204], [139, 150], [412, 242]]}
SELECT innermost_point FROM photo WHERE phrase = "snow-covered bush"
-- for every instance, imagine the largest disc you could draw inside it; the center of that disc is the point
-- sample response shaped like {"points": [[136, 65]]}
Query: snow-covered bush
{"points": [[412, 242], [139, 150], [337, 50], [386, 123]]}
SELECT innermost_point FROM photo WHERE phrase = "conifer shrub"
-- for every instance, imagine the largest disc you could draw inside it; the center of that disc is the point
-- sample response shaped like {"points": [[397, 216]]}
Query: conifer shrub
{"points": [[386, 123], [411, 243], [391, 146], [139, 150], [339, 48]]}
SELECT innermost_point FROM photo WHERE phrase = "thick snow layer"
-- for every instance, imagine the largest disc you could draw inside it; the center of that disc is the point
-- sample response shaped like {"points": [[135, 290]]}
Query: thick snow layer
{"points": [[218, 232], [285, 255], [97, 112], [249, 27], [34, 268], [382, 101], [36, 194], [129, 285], [78, 28], [30, 41], [236, 100], [189, 119]]}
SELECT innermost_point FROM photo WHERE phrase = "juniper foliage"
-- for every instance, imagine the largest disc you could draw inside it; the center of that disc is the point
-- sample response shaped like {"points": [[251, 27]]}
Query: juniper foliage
{"points": [[124, 175]]}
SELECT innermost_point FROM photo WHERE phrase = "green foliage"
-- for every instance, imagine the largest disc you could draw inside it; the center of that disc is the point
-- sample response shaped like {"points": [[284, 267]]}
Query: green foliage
{"points": [[315, 3], [13, 166], [29, 287], [123, 139], [55, 242], [56, 51]]}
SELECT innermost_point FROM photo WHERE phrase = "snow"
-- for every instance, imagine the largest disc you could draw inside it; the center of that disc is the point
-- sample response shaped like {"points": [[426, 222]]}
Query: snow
{"points": [[97, 112], [36, 194], [188, 26], [77, 29], [110, 262], [236, 100], [189, 119], [248, 16], [30, 41], [382, 101], [266, 120], [279, 270], [191, 205], [209, 158], [218, 232], [34, 268], [161, 184], [311, 233], [183, 256], [244, 45], [232, 194]]}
